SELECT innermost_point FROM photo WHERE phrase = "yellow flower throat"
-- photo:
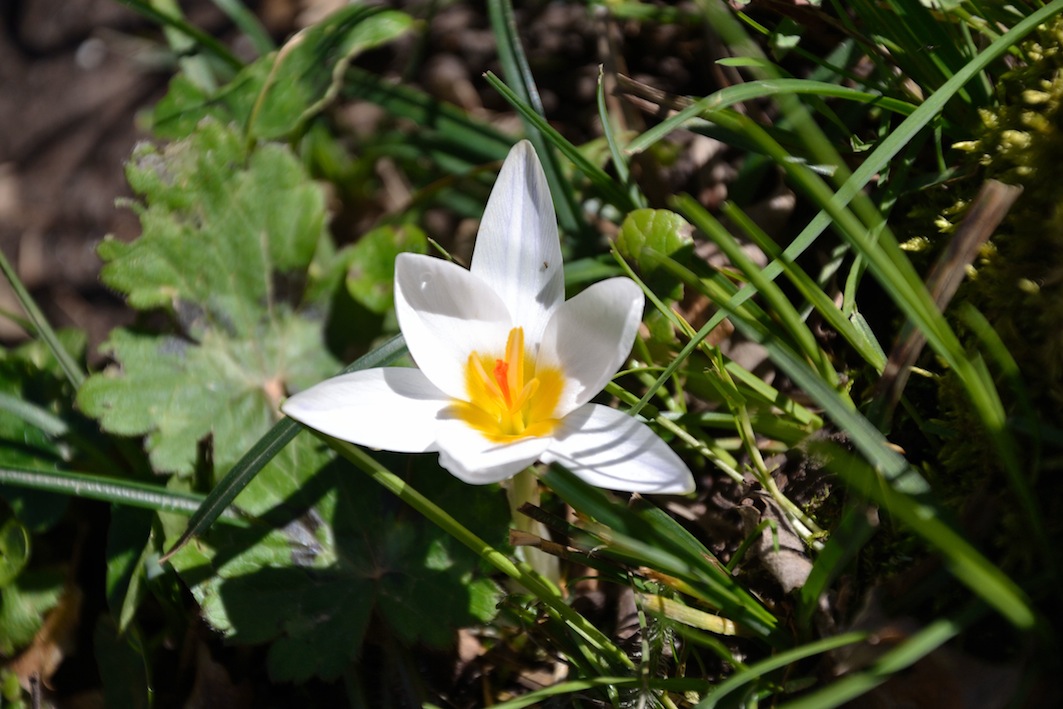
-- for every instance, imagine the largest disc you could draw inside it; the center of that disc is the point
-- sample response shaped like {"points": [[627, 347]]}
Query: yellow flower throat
{"points": [[507, 399]]}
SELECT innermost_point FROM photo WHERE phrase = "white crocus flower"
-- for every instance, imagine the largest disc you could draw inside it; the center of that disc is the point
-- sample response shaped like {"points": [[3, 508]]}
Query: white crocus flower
{"points": [[506, 366]]}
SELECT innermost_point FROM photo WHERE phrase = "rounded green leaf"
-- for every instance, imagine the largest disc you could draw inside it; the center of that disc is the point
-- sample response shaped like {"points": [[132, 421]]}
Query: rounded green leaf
{"points": [[14, 550]]}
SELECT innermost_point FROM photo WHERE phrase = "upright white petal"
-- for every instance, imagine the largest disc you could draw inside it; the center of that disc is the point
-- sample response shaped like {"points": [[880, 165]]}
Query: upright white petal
{"points": [[446, 313], [590, 337], [395, 409], [470, 457], [518, 252], [610, 449]]}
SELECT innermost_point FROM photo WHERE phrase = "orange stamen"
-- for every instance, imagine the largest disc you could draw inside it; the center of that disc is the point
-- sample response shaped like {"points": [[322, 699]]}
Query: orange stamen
{"points": [[510, 401], [502, 377]]}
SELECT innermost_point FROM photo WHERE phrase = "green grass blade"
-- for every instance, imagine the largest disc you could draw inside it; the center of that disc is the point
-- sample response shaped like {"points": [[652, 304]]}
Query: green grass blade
{"points": [[966, 563], [896, 141], [902, 481], [861, 339], [893, 269], [516, 70], [611, 655], [108, 489], [620, 162], [197, 35], [598, 177], [918, 646], [776, 662], [248, 24], [474, 141], [219, 499], [765, 88], [775, 299], [1005, 363], [34, 415], [71, 369], [651, 538]]}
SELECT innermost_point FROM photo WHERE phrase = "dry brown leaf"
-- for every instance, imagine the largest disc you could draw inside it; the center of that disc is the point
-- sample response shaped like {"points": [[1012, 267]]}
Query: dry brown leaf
{"points": [[54, 641]]}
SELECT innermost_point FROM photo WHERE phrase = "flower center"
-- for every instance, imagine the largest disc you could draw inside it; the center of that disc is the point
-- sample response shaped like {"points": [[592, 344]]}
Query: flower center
{"points": [[507, 399]]}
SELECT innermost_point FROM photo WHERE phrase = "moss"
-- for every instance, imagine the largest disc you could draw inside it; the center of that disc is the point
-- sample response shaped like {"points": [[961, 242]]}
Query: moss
{"points": [[1017, 283]]}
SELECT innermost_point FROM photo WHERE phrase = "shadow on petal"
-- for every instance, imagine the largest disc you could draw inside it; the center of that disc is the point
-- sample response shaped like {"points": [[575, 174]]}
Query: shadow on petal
{"points": [[609, 449]]}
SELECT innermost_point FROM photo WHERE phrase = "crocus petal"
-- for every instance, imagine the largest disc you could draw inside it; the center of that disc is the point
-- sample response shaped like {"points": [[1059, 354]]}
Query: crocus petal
{"points": [[607, 448], [395, 409], [590, 337], [470, 457], [445, 314], [517, 248]]}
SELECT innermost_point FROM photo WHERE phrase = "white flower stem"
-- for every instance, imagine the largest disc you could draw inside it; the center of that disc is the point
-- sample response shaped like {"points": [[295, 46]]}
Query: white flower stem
{"points": [[521, 488]]}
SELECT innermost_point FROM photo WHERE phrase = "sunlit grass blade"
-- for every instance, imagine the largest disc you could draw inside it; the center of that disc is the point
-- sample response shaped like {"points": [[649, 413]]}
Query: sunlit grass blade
{"points": [[598, 177], [893, 269], [651, 538], [42, 328], [841, 410], [766, 88], [861, 340], [248, 24], [775, 300], [902, 34], [473, 140], [963, 560], [816, 147], [902, 481], [620, 161], [201, 38], [516, 70], [907, 653], [776, 662], [219, 499], [611, 657], [896, 141], [108, 489], [756, 388]]}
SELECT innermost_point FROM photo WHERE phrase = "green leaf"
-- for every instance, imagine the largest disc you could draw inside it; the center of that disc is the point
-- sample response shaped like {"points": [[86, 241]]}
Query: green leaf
{"points": [[23, 606], [217, 223], [128, 543], [14, 550], [371, 264], [34, 423], [311, 585], [276, 95], [307, 72], [264, 451], [649, 235], [179, 393], [122, 663], [227, 242], [187, 103]]}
